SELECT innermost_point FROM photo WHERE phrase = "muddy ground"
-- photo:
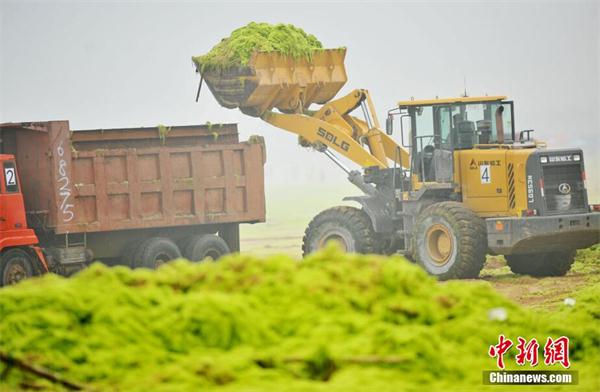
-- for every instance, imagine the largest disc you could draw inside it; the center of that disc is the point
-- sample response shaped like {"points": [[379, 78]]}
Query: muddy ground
{"points": [[539, 293], [542, 293], [290, 209]]}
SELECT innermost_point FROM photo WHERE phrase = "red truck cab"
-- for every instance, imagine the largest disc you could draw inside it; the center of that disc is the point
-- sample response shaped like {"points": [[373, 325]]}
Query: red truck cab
{"points": [[20, 257]]}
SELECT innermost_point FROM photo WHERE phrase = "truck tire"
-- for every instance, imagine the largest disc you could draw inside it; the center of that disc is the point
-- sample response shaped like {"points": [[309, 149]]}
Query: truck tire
{"points": [[541, 264], [15, 266], [129, 253], [154, 252], [350, 227], [200, 247], [450, 241]]}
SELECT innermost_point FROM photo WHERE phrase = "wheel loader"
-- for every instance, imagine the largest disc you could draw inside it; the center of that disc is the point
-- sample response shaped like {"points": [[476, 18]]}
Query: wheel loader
{"points": [[459, 182]]}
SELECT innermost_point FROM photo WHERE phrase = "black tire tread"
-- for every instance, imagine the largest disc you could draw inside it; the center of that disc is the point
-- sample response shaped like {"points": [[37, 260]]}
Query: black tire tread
{"points": [[355, 220], [148, 246], [129, 253], [204, 240], [541, 264], [8, 254]]}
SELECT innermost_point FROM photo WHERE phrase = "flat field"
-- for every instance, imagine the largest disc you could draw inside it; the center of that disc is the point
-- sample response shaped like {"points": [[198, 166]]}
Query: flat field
{"points": [[290, 209]]}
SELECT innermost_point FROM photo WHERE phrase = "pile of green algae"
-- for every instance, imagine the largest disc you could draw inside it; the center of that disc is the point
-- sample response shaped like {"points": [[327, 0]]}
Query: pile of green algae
{"points": [[236, 50], [250, 324]]}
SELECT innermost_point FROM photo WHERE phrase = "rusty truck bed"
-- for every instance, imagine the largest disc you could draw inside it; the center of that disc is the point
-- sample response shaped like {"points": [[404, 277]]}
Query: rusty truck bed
{"points": [[116, 179]]}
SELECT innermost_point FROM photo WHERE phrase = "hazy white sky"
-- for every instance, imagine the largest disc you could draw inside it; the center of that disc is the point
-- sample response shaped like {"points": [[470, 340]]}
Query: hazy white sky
{"points": [[109, 64]]}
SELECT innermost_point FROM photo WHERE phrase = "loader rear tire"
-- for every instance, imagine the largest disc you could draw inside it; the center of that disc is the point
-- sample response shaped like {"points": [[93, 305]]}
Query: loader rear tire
{"points": [[450, 241], [15, 265], [154, 252], [349, 227], [541, 264], [207, 246]]}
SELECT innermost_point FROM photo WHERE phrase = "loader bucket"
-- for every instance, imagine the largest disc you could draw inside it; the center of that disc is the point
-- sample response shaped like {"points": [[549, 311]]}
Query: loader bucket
{"points": [[272, 80]]}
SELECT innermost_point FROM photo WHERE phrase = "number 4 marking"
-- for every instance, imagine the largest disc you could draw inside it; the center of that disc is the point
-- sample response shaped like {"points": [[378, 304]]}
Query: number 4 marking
{"points": [[486, 174]]}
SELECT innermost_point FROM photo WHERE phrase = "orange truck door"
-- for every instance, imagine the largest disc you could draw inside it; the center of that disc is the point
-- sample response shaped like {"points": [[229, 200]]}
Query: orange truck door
{"points": [[13, 224]]}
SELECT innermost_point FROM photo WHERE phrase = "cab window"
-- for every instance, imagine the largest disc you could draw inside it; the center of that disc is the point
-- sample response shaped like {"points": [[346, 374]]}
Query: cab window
{"points": [[10, 177], [478, 123], [432, 127], [445, 126]]}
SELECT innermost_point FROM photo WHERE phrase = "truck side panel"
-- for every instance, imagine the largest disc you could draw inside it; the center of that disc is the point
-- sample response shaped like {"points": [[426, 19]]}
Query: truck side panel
{"points": [[161, 187], [137, 178]]}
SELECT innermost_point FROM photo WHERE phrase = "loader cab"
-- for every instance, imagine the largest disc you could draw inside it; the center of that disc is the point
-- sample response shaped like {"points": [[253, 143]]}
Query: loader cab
{"points": [[434, 129]]}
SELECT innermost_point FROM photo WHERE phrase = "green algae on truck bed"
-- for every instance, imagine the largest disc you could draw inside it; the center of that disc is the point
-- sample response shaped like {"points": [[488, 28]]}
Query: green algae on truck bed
{"points": [[333, 322], [236, 50]]}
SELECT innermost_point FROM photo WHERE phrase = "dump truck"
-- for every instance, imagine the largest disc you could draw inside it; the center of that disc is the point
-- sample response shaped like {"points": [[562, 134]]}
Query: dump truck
{"points": [[459, 183], [138, 196]]}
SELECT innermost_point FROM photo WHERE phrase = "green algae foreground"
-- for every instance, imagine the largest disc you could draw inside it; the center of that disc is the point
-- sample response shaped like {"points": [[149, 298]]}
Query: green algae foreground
{"points": [[236, 50], [332, 322]]}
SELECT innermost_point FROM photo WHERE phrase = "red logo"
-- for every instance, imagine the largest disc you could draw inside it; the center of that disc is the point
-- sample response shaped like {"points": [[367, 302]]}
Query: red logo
{"points": [[555, 351], [528, 352], [499, 350]]}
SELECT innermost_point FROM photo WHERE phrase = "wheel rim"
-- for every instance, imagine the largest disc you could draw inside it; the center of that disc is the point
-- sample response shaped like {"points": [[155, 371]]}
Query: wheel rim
{"points": [[336, 238], [212, 254], [160, 259], [15, 273], [439, 244]]}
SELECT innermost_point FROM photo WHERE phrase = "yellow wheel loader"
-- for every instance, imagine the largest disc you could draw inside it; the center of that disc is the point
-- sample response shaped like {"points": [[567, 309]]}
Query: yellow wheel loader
{"points": [[458, 184]]}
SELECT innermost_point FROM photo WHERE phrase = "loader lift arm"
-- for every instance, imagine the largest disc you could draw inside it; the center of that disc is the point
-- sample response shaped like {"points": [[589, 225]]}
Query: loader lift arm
{"points": [[332, 126], [272, 81]]}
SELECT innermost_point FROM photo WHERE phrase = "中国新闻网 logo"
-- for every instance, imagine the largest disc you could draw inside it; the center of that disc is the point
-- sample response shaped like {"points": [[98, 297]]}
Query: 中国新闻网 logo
{"points": [[555, 351]]}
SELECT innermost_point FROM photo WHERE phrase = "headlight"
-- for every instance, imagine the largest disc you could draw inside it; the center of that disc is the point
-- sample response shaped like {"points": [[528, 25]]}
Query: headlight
{"points": [[544, 159], [577, 157]]}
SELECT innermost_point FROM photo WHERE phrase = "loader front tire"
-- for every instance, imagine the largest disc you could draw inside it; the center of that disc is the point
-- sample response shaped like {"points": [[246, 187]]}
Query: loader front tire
{"points": [[450, 241], [541, 264], [349, 227]]}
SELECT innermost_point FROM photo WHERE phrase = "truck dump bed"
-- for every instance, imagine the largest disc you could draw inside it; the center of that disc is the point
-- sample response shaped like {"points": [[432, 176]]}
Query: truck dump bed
{"points": [[114, 179]]}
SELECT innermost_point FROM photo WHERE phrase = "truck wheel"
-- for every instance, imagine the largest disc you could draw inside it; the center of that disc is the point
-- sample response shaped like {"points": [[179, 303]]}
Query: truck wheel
{"points": [[541, 264], [129, 253], [450, 241], [154, 252], [348, 226], [200, 247], [15, 266]]}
